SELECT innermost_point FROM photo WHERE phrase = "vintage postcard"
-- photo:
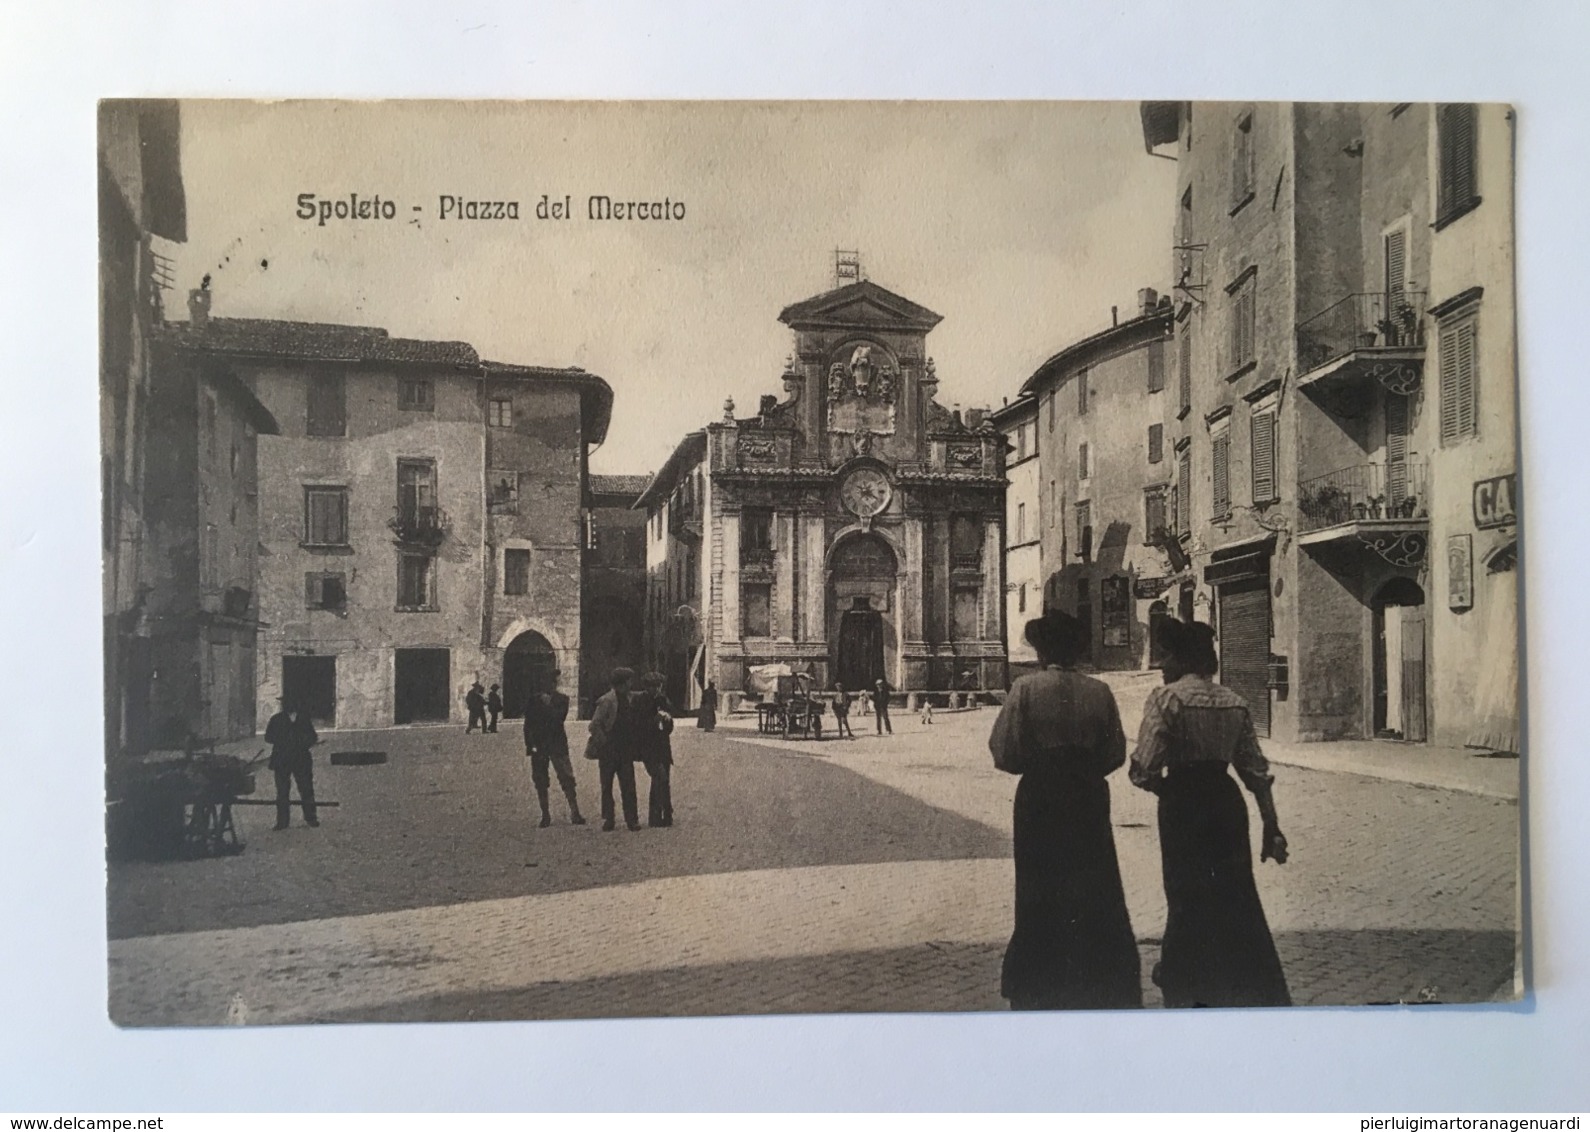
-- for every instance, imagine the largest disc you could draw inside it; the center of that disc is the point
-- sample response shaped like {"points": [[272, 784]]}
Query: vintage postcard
{"points": [[581, 560]]}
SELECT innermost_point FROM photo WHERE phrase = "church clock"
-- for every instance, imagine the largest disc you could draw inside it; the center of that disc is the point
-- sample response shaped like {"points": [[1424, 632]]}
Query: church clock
{"points": [[865, 492]]}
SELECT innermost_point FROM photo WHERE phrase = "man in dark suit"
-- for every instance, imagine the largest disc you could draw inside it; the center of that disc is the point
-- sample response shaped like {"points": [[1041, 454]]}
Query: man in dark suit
{"points": [[613, 746], [880, 707], [654, 724], [494, 708], [548, 746], [475, 701], [291, 735]]}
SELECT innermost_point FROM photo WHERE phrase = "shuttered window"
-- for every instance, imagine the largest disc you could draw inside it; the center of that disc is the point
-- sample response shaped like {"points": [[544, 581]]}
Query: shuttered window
{"points": [[1457, 188], [1244, 310], [1184, 377], [1242, 162], [1156, 366], [1156, 443], [1082, 392], [328, 406], [1085, 530], [515, 571], [1184, 492], [1082, 462], [1459, 380], [1263, 430], [326, 516], [1221, 458], [1154, 518], [1396, 263]]}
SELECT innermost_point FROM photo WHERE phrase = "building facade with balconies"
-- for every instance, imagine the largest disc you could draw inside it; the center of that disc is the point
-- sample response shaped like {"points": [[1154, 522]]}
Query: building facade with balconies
{"points": [[421, 517], [853, 531], [1310, 427]]}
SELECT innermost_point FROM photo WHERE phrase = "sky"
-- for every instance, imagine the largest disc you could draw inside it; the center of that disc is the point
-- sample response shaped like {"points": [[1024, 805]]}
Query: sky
{"points": [[1020, 223]]}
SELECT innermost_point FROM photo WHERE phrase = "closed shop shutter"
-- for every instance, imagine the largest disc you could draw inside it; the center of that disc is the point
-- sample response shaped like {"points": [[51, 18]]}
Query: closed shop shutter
{"points": [[1245, 645]]}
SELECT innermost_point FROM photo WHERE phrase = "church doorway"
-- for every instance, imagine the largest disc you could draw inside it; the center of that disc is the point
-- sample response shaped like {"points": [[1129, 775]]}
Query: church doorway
{"points": [[861, 591], [526, 663]]}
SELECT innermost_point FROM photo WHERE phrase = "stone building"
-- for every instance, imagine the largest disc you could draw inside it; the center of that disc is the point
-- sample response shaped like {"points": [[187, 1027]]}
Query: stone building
{"points": [[1017, 422], [421, 516], [613, 596], [852, 530], [1324, 255], [1101, 474]]}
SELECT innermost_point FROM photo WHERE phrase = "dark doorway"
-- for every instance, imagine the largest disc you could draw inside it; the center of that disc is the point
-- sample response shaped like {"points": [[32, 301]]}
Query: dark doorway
{"points": [[528, 661], [423, 688], [1084, 616], [1398, 663], [1158, 614], [309, 683], [1244, 628], [860, 646]]}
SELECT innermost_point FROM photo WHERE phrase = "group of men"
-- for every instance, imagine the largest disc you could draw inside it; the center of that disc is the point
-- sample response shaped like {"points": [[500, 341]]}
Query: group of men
{"points": [[629, 725], [879, 696], [479, 703]]}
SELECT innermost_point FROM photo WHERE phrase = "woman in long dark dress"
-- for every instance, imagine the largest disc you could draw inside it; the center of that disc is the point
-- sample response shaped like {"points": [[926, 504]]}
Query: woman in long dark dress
{"points": [[1217, 950], [707, 717], [1073, 946]]}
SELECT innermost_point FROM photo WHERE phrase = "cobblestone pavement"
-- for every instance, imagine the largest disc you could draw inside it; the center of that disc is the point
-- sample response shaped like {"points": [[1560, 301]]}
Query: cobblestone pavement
{"points": [[841, 876]]}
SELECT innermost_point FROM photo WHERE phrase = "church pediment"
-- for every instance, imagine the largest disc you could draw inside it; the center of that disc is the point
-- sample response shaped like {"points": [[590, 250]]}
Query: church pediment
{"points": [[863, 305]]}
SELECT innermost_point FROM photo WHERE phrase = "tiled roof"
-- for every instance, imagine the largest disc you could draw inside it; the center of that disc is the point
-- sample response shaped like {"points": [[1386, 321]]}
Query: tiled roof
{"points": [[630, 486], [319, 341]]}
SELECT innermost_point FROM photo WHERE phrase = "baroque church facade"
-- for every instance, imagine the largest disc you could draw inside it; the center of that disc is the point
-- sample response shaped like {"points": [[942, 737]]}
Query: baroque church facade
{"points": [[852, 530]]}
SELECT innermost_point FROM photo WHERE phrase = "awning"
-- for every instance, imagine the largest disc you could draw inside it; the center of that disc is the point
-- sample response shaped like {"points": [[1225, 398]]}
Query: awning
{"points": [[1240, 562]]}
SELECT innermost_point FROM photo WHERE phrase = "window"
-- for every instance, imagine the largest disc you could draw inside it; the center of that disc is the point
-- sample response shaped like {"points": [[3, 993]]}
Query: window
{"points": [[1021, 522], [416, 582], [1082, 392], [417, 394], [1242, 162], [1032, 437], [1154, 518], [1220, 459], [502, 495], [1021, 442], [1054, 503], [1457, 185], [1021, 598], [1156, 443], [966, 542], [1244, 310], [328, 406], [515, 572], [1395, 244], [756, 530], [1263, 456], [1184, 371], [755, 610], [1051, 412], [326, 591], [416, 490], [499, 412], [1459, 378], [326, 516], [1084, 465], [1156, 366], [1184, 491], [1085, 530]]}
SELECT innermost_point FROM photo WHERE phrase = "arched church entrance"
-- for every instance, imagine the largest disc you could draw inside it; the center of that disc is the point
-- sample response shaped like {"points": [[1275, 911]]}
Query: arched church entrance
{"points": [[527, 663], [861, 587]]}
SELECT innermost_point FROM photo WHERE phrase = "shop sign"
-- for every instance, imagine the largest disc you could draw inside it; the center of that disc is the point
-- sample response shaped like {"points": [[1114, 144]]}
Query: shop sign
{"points": [[1459, 573], [1494, 504]]}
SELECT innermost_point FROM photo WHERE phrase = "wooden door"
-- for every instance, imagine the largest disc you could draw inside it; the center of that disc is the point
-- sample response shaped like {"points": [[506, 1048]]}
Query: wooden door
{"points": [[1245, 645], [1414, 728]]}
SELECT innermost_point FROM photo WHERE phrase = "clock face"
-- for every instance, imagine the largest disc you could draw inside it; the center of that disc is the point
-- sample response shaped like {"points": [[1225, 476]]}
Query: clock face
{"points": [[866, 492]]}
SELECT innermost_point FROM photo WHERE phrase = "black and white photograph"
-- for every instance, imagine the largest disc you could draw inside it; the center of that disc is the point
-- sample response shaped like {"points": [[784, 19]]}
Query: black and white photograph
{"points": [[585, 560]]}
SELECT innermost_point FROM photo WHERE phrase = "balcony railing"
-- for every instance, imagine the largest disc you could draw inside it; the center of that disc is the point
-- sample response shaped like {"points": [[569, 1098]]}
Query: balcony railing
{"points": [[1363, 493], [1373, 320], [756, 556], [419, 526]]}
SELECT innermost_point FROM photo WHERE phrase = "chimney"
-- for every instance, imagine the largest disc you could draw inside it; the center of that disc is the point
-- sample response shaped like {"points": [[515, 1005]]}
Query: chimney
{"points": [[198, 307], [1147, 299], [1115, 317]]}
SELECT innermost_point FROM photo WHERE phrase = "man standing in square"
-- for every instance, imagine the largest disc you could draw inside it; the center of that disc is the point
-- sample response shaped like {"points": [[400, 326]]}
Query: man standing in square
{"points": [[291, 735], [547, 746], [612, 746]]}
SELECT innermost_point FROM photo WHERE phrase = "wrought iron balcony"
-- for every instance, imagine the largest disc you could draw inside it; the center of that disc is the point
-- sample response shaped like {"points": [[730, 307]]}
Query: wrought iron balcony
{"points": [[1374, 334], [424, 527], [1374, 496]]}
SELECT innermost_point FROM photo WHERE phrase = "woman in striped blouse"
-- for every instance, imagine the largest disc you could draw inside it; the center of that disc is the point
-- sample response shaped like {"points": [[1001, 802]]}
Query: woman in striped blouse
{"points": [[1217, 948]]}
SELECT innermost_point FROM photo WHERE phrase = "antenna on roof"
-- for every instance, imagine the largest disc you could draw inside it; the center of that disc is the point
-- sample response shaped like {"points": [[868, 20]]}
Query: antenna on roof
{"points": [[847, 267]]}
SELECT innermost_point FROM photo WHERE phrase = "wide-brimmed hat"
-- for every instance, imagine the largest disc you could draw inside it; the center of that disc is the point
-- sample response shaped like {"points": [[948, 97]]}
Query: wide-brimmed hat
{"points": [[1190, 643], [1057, 635]]}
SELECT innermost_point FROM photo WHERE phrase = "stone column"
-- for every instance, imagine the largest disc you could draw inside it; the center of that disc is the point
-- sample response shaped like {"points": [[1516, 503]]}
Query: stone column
{"points": [[783, 611], [813, 581], [910, 614], [729, 601], [993, 597]]}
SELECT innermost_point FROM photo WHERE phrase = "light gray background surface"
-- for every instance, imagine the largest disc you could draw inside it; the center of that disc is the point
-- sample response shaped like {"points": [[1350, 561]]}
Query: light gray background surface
{"points": [[57, 1050]]}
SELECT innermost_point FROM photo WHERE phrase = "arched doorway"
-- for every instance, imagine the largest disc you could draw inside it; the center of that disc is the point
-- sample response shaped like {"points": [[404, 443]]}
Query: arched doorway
{"points": [[861, 589], [1399, 661], [526, 663]]}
